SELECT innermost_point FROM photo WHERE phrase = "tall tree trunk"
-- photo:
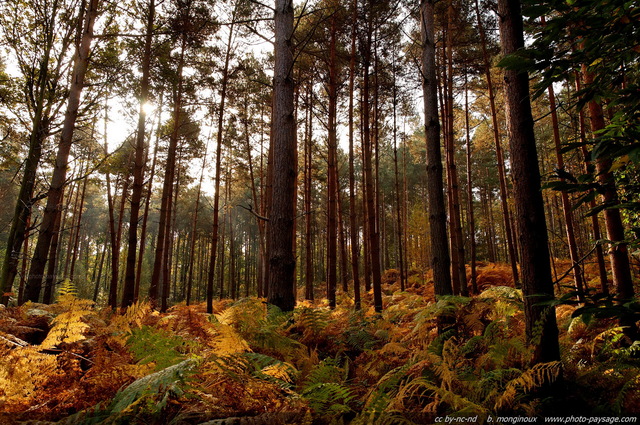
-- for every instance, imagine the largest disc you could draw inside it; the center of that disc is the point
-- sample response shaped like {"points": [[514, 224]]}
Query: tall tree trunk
{"points": [[353, 214], [595, 223], [618, 255], [537, 284], [373, 235], [308, 242], [281, 291], [52, 262], [159, 266], [96, 279], [566, 205], [128, 290], [216, 196], [22, 212], [471, 219], [440, 261], [457, 243], [78, 227], [502, 175], [399, 227], [332, 183], [53, 207], [147, 203]]}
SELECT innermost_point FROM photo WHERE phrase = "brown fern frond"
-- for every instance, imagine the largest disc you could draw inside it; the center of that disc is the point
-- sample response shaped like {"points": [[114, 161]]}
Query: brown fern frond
{"points": [[539, 375]]}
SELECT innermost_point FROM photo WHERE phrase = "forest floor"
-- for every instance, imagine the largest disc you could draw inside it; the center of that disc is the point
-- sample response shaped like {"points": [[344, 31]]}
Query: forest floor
{"points": [[248, 363]]}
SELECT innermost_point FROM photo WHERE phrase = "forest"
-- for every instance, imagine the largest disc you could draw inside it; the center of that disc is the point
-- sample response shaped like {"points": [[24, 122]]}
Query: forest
{"points": [[319, 212]]}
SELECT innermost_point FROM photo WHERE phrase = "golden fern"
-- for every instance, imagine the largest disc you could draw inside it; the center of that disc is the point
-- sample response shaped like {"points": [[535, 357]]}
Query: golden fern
{"points": [[539, 375], [121, 326], [68, 326], [23, 370]]}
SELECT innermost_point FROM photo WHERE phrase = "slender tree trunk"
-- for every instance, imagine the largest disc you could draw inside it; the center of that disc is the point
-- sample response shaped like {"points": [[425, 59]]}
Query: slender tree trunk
{"points": [[502, 175], [471, 220], [128, 290], [78, 227], [399, 231], [457, 243], [595, 223], [22, 211], [52, 263], [147, 203], [159, 266], [566, 205], [81, 62], [308, 242], [537, 284], [332, 183], [281, 291], [373, 235], [440, 261], [96, 280], [344, 273], [216, 196], [618, 255], [353, 215]]}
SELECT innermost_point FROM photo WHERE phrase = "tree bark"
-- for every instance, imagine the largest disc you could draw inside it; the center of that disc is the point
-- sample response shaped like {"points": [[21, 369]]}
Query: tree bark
{"points": [[353, 215], [440, 262], [281, 291], [53, 207], [471, 219], [537, 284], [216, 196], [128, 290], [618, 255], [566, 204], [502, 174]]}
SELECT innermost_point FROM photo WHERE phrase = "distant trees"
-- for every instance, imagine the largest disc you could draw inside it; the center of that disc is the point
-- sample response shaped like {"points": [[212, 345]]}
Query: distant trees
{"points": [[377, 192]]}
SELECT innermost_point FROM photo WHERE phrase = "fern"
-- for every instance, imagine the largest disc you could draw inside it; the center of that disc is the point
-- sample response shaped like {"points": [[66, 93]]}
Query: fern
{"points": [[273, 370], [23, 371], [150, 345], [68, 326], [147, 396], [539, 375], [329, 398]]}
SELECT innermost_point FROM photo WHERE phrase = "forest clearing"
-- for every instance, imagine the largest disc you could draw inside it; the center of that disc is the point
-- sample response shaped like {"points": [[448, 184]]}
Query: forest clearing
{"points": [[319, 212]]}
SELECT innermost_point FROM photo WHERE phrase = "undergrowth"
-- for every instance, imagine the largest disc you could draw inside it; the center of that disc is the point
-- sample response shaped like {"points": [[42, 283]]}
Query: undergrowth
{"points": [[250, 363]]}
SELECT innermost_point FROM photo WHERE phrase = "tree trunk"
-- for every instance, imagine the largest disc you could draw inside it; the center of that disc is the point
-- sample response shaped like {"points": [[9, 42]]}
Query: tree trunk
{"points": [[22, 211], [353, 215], [440, 261], [471, 219], [373, 236], [281, 291], [52, 262], [128, 290], [332, 183], [159, 266], [216, 196], [308, 243], [53, 207], [399, 227], [147, 203], [595, 223], [566, 205], [502, 175], [618, 255], [537, 284]]}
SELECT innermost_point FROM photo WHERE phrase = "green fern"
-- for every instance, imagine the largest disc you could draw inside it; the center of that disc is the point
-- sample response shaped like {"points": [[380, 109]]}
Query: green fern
{"points": [[151, 345], [329, 398], [145, 398]]}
